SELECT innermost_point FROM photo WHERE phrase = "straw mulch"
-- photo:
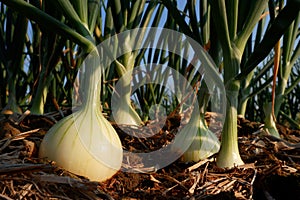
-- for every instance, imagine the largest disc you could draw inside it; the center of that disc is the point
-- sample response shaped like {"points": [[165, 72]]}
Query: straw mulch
{"points": [[271, 170]]}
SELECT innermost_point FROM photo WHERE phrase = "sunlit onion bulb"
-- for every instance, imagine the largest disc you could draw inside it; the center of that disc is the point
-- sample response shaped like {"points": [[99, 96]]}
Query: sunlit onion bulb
{"points": [[85, 143]]}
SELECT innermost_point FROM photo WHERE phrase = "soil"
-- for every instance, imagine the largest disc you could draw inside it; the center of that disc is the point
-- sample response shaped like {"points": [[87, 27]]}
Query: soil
{"points": [[271, 169]]}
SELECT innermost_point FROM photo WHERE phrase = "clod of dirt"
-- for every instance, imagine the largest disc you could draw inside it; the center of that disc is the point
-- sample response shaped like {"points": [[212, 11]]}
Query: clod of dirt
{"points": [[8, 129]]}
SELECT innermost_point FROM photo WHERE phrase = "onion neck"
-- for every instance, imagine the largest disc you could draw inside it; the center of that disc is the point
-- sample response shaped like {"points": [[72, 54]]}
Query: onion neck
{"points": [[92, 82]]}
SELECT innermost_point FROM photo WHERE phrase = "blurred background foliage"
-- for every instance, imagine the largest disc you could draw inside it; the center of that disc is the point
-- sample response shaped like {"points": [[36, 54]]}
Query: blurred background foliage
{"points": [[43, 43]]}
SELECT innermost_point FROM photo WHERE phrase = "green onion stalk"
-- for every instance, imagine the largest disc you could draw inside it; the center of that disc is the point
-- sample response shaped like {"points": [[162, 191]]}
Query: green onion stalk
{"points": [[43, 18], [123, 111], [12, 55], [247, 90], [153, 94], [270, 119], [52, 46], [252, 86], [270, 125], [12, 105], [234, 27], [229, 155], [245, 86], [263, 45], [125, 19], [290, 53]]}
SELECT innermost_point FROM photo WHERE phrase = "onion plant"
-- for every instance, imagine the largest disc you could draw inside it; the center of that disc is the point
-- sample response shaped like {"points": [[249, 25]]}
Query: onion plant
{"points": [[48, 49], [234, 22], [122, 16], [246, 88], [253, 81], [205, 143], [225, 29], [290, 54], [152, 94], [235, 31], [13, 32], [69, 141], [291, 108], [85, 143], [198, 27]]}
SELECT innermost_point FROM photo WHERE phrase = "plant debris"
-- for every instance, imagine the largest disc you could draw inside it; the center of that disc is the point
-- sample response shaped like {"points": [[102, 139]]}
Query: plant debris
{"points": [[270, 163]]}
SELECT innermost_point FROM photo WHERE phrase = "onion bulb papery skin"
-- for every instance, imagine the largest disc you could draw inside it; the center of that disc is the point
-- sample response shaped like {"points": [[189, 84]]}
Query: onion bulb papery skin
{"points": [[270, 125], [125, 114], [122, 110], [98, 161], [195, 141], [85, 143], [205, 144]]}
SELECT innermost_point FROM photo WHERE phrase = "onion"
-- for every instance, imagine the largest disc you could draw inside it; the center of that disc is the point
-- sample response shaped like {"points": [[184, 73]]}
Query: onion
{"points": [[270, 125], [203, 142], [85, 143]]}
